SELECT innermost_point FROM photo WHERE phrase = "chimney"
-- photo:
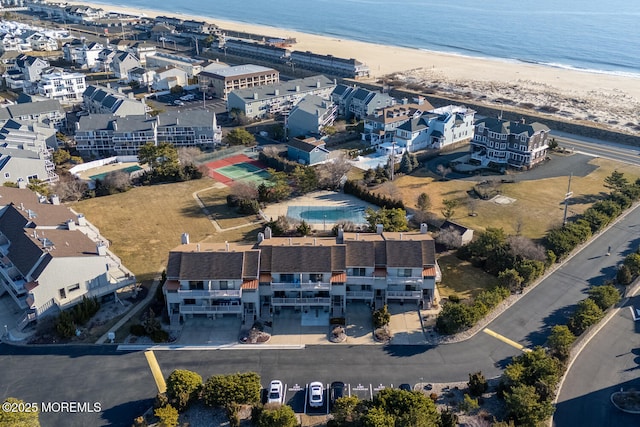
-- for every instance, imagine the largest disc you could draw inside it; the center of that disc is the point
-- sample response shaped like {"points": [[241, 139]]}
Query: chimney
{"points": [[130, 95], [22, 183], [78, 124], [315, 241], [115, 125], [255, 96], [260, 237], [400, 236], [297, 88], [357, 236], [101, 249], [290, 241], [277, 92], [340, 238], [71, 225], [424, 228], [184, 238], [55, 200], [405, 101], [198, 247], [226, 244], [82, 221], [267, 232], [318, 85], [120, 89], [379, 228]]}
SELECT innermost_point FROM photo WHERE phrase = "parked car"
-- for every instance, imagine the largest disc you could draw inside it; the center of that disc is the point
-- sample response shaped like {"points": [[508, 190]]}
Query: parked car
{"points": [[189, 97], [178, 102], [405, 387], [316, 394], [336, 391], [275, 394]]}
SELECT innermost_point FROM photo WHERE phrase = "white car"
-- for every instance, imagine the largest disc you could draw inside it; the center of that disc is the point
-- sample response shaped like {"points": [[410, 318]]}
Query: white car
{"points": [[275, 392], [316, 394], [178, 102]]}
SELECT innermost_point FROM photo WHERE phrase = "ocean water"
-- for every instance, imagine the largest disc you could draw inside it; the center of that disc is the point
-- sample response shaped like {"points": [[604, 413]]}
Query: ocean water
{"points": [[591, 35]]}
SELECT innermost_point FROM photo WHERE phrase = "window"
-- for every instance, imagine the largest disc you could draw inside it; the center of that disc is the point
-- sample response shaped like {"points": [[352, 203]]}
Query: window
{"points": [[74, 287], [224, 285], [404, 272], [7, 175], [359, 272], [315, 277], [197, 285], [63, 293], [286, 278]]}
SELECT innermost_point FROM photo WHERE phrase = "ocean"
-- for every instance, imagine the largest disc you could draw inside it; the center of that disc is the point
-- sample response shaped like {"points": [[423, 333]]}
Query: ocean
{"points": [[590, 35]]}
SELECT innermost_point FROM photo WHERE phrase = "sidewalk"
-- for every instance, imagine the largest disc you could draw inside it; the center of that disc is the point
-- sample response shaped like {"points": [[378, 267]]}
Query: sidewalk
{"points": [[131, 313]]}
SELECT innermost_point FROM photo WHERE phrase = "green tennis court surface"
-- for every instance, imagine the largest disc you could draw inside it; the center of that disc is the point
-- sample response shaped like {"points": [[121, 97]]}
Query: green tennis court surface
{"points": [[244, 172], [128, 169]]}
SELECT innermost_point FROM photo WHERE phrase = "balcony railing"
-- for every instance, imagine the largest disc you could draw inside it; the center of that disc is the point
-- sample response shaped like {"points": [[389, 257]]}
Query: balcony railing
{"points": [[230, 293], [404, 294], [314, 286], [360, 294], [205, 309], [300, 301], [360, 280]]}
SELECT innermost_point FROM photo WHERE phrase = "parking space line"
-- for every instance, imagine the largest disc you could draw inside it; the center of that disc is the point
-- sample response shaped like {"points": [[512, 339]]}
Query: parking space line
{"points": [[284, 395], [349, 389], [306, 390], [504, 339], [328, 397]]}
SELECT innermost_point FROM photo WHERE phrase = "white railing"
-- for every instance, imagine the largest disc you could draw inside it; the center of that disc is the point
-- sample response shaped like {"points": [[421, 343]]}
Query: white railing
{"points": [[404, 294], [184, 293], [360, 280], [203, 309], [360, 294], [404, 281], [300, 301], [320, 286]]}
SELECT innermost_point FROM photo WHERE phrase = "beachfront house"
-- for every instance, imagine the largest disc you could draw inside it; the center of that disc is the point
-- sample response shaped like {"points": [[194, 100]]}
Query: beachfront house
{"points": [[269, 100], [506, 143], [310, 116], [307, 151], [303, 274], [340, 67], [341, 96], [436, 129], [51, 256], [380, 127], [222, 80], [255, 50]]}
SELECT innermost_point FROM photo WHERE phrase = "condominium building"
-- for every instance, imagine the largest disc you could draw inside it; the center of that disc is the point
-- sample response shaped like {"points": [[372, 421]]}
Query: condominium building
{"points": [[51, 257], [221, 81], [263, 101], [32, 109], [104, 100], [106, 135], [341, 67], [62, 86], [253, 281], [509, 143], [255, 50], [192, 67]]}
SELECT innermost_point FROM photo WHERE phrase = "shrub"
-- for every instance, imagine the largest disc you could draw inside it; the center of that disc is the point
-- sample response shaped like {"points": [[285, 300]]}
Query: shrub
{"points": [[159, 336], [224, 390], [182, 387], [168, 416], [560, 341], [604, 296], [381, 317], [281, 416], [65, 327], [469, 404], [434, 397], [477, 384], [454, 318], [137, 330], [587, 314], [454, 298]]}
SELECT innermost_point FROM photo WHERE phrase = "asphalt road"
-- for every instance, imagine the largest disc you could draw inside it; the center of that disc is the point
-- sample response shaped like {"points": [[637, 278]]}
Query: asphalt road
{"points": [[609, 362]]}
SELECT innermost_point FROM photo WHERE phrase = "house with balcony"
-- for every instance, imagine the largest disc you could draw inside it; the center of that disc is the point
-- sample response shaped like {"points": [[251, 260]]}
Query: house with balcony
{"points": [[436, 129], [308, 151], [51, 257], [105, 100], [83, 54], [62, 86], [301, 274], [310, 115], [33, 109], [506, 143], [31, 67], [341, 67], [222, 80], [280, 98], [380, 127], [341, 96], [364, 102]]}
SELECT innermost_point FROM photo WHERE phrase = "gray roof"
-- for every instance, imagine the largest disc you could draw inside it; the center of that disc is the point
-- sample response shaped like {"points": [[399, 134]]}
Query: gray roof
{"points": [[34, 108], [307, 147], [413, 125], [312, 259], [284, 88], [511, 127], [342, 90], [311, 104], [139, 123], [240, 70]]}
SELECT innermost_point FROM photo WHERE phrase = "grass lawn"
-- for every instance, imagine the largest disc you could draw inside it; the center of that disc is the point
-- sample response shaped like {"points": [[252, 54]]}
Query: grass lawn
{"points": [[461, 278], [538, 206], [144, 223], [215, 199]]}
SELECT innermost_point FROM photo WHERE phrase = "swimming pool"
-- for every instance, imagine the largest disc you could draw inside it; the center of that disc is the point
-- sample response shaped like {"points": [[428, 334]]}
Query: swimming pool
{"points": [[330, 214]]}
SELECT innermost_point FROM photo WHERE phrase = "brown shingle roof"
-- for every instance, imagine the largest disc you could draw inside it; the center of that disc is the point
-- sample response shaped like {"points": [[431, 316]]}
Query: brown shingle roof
{"points": [[206, 265], [250, 266], [293, 259], [360, 253], [404, 253]]}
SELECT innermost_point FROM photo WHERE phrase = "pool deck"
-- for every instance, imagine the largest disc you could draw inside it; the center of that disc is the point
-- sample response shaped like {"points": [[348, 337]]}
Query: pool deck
{"points": [[111, 167], [318, 198]]}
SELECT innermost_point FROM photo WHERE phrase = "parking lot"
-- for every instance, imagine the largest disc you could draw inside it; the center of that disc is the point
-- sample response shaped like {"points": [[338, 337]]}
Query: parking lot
{"points": [[191, 100]]}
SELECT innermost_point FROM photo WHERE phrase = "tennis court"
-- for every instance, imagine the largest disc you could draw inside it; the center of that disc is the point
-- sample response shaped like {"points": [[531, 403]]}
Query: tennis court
{"points": [[238, 168]]}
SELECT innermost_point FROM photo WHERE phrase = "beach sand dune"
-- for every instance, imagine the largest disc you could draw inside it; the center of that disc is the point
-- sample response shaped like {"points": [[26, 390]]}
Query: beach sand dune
{"points": [[607, 100]]}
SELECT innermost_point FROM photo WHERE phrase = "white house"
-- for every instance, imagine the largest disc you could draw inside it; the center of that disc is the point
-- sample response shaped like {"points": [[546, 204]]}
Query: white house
{"points": [[63, 86], [168, 77]]}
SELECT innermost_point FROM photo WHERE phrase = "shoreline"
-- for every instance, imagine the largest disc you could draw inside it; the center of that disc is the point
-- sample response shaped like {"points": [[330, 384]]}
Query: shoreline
{"points": [[603, 99]]}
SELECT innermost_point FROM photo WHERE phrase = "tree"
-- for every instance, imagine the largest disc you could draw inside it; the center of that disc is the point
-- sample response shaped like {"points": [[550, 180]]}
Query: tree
{"points": [[477, 384], [623, 276], [616, 181], [510, 279], [632, 261], [407, 407], [69, 188], [524, 247], [448, 418], [345, 410], [280, 416], [406, 163], [328, 130], [244, 190], [468, 404], [61, 156], [443, 171], [239, 116], [424, 202], [604, 296], [381, 317], [113, 182], [226, 390], [560, 341], [587, 314], [449, 208], [188, 155], [524, 404], [168, 416], [449, 237], [331, 173], [391, 219], [19, 418], [277, 132], [39, 186], [240, 136], [177, 89], [454, 318], [304, 229], [377, 417], [182, 387], [305, 179], [162, 159]]}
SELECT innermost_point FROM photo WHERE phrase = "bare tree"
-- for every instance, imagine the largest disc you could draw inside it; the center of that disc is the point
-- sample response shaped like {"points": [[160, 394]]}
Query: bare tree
{"points": [[526, 248], [330, 173], [188, 155], [118, 180], [271, 151], [449, 237], [388, 189], [519, 225], [244, 190], [443, 171], [69, 188]]}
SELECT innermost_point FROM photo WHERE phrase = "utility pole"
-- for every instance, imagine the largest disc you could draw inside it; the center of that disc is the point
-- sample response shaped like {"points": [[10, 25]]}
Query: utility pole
{"points": [[393, 159], [567, 196]]}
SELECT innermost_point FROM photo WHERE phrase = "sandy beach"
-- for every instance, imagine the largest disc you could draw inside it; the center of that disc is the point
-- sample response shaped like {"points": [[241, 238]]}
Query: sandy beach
{"points": [[608, 100]]}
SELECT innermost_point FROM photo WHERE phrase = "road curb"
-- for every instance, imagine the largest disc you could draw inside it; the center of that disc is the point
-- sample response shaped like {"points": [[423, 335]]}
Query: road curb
{"points": [[178, 347]]}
